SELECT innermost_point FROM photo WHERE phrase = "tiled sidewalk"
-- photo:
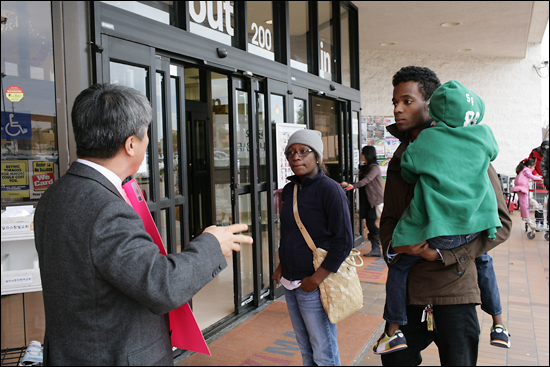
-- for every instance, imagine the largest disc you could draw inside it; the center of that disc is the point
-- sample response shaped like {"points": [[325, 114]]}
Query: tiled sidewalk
{"points": [[521, 267]]}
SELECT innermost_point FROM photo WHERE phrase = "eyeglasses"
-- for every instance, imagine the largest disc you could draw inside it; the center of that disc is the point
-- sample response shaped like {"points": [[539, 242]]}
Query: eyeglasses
{"points": [[301, 153]]}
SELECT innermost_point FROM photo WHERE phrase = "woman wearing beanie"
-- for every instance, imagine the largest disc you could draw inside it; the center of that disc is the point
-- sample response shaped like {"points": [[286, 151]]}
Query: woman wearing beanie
{"points": [[370, 177], [454, 202], [323, 210]]}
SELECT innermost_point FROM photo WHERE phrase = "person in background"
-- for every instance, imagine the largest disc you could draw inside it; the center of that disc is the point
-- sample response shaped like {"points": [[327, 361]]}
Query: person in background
{"points": [[107, 288], [537, 154], [453, 202], [443, 284], [544, 171], [524, 171], [370, 177], [324, 212]]}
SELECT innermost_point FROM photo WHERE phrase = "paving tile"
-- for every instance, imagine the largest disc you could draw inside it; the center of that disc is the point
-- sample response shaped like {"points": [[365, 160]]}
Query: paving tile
{"points": [[522, 270]]}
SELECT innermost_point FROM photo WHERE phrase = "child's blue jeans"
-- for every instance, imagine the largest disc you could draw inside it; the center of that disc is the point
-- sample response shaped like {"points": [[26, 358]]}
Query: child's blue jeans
{"points": [[395, 309]]}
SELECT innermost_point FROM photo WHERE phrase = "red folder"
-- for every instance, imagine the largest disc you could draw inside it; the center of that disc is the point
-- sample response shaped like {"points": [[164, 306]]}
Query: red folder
{"points": [[185, 332]]}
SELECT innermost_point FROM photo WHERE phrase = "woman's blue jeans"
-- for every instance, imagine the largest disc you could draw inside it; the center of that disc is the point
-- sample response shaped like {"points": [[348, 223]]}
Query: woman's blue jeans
{"points": [[395, 309], [315, 334]]}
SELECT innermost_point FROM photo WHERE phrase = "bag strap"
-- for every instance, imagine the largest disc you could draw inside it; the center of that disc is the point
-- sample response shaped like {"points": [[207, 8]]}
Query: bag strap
{"points": [[303, 229], [351, 257]]}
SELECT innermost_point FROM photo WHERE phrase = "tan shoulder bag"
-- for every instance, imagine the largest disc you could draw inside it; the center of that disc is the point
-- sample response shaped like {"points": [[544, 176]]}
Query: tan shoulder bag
{"points": [[341, 292]]}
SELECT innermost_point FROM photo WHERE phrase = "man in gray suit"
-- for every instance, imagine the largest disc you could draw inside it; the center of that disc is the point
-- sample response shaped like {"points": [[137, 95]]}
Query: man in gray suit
{"points": [[107, 289]]}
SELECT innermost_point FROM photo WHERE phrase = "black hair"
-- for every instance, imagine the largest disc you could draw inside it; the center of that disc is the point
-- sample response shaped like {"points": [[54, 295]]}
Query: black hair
{"points": [[522, 165], [427, 80], [369, 152], [105, 115]]}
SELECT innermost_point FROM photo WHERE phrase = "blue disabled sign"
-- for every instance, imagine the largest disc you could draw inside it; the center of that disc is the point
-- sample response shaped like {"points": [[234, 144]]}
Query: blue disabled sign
{"points": [[16, 125]]}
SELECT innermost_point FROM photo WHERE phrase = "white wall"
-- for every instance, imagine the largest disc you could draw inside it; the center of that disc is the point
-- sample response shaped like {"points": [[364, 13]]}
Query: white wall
{"points": [[510, 88]]}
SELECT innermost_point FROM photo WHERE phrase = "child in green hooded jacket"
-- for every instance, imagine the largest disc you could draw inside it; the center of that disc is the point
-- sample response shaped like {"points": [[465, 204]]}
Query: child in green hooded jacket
{"points": [[453, 203]]}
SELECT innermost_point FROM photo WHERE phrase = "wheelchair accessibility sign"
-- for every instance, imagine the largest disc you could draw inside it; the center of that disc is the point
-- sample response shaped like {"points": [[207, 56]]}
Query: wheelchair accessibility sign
{"points": [[16, 125]]}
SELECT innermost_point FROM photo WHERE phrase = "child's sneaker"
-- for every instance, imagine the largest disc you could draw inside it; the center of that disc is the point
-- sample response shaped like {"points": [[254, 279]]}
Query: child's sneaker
{"points": [[500, 337], [389, 344]]}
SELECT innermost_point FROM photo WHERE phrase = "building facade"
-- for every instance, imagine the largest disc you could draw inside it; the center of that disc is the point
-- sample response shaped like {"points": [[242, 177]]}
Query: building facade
{"points": [[229, 81]]}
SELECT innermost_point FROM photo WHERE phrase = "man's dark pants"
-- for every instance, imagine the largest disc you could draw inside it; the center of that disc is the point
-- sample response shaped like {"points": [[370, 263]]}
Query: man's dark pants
{"points": [[456, 335]]}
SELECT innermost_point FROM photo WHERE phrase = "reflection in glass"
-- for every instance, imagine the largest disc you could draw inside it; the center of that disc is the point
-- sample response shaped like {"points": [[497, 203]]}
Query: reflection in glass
{"points": [[355, 168], [344, 34], [222, 173], [277, 108], [163, 230], [246, 253], [216, 300], [298, 19], [260, 28], [277, 206], [260, 107], [243, 138], [179, 228], [326, 52], [192, 84], [29, 116], [134, 77], [299, 111], [265, 241], [326, 121], [160, 133], [174, 92]]}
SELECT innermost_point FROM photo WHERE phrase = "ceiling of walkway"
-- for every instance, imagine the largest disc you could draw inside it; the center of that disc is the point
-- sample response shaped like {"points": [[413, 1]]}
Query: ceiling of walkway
{"points": [[487, 28]]}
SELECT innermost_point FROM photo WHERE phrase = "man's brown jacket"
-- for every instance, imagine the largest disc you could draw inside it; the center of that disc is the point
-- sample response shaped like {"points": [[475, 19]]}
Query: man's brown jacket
{"points": [[453, 281]]}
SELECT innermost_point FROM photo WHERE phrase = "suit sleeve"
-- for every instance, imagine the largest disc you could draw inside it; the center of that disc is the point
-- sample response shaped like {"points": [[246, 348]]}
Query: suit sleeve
{"points": [[126, 257], [483, 243]]}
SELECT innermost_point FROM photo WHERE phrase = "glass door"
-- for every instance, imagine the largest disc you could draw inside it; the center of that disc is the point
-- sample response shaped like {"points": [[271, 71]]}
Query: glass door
{"points": [[250, 189]]}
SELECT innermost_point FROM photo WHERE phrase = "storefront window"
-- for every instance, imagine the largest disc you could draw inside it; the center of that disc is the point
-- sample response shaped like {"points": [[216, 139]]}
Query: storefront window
{"points": [[326, 62], [298, 20], [326, 121], [277, 108], [346, 59], [299, 111], [213, 20], [260, 28], [29, 125]]}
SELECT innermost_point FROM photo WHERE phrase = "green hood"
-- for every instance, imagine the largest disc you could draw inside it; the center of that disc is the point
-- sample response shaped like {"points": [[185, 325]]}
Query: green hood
{"points": [[455, 105]]}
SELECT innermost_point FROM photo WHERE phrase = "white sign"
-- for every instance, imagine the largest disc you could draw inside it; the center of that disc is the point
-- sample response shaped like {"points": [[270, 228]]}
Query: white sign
{"points": [[206, 23], [284, 131]]}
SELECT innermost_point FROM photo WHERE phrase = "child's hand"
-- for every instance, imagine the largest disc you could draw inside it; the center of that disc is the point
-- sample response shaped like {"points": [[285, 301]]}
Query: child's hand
{"points": [[412, 249], [430, 254]]}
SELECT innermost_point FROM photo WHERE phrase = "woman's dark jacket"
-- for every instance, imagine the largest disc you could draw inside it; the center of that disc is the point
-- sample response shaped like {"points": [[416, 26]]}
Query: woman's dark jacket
{"points": [[323, 208]]}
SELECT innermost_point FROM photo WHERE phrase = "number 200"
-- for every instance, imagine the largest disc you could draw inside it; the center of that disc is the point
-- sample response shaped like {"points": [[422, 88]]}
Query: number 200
{"points": [[262, 37]]}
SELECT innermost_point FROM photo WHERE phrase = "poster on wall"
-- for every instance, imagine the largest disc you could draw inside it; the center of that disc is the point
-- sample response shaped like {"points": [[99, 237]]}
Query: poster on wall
{"points": [[283, 133], [15, 179], [42, 176]]}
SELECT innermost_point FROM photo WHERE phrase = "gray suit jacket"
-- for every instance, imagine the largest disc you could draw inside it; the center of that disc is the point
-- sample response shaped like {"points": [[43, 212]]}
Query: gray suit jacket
{"points": [[106, 287]]}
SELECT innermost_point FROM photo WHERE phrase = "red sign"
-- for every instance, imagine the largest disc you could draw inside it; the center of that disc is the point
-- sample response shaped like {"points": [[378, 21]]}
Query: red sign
{"points": [[42, 181], [14, 93]]}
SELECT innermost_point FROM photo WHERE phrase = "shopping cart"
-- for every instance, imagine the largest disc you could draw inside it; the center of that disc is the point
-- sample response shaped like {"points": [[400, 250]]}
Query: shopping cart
{"points": [[538, 197], [509, 197]]}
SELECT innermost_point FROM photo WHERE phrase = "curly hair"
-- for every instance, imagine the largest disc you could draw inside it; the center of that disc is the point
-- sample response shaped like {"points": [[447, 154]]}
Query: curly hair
{"points": [[428, 82]]}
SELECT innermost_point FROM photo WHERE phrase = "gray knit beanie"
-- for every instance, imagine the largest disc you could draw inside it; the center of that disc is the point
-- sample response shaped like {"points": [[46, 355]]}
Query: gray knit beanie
{"points": [[311, 138]]}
